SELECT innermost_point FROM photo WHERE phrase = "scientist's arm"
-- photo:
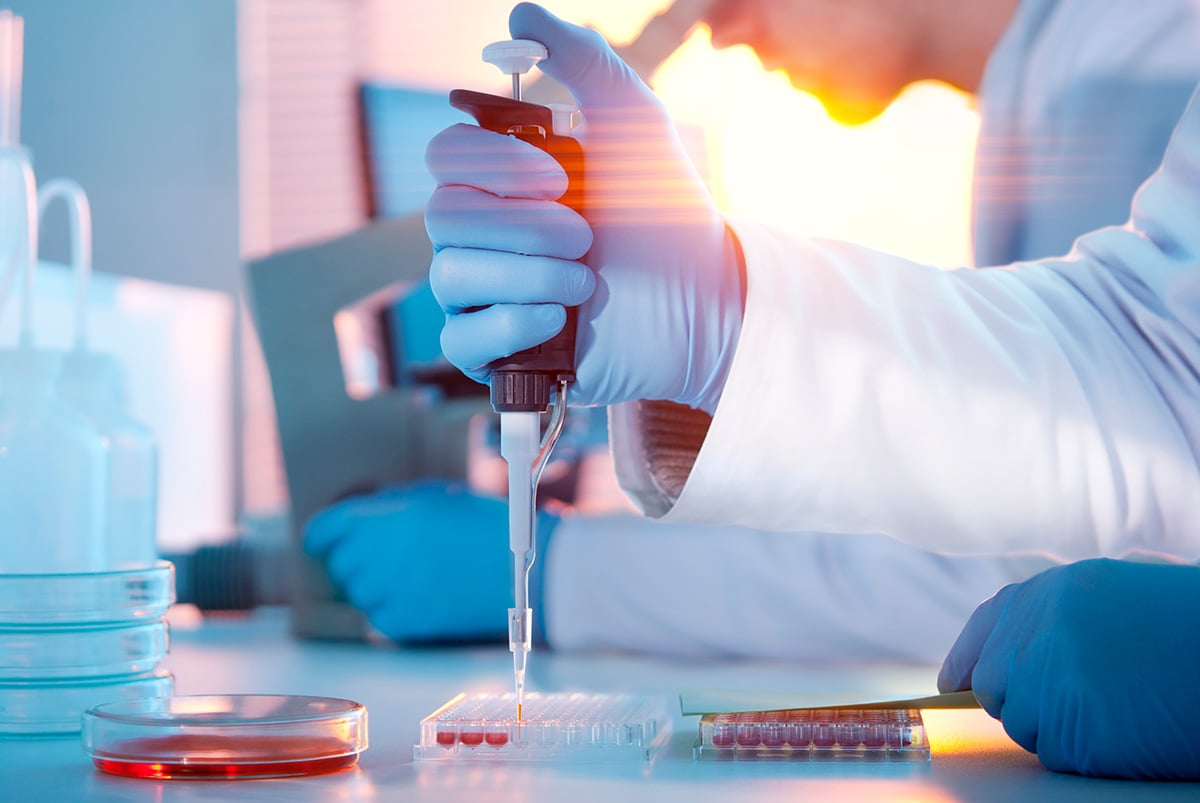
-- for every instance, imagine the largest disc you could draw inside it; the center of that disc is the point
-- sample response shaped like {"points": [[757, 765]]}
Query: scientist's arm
{"points": [[1050, 405], [427, 562], [1093, 667], [621, 581]]}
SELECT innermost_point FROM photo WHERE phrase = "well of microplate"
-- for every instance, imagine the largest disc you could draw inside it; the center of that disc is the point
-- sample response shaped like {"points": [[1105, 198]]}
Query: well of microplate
{"points": [[574, 727], [813, 735]]}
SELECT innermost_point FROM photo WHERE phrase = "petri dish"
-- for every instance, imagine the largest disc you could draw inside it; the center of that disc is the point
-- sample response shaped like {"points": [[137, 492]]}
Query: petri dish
{"points": [[54, 707], [92, 597], [225, 737], [45, 653]]}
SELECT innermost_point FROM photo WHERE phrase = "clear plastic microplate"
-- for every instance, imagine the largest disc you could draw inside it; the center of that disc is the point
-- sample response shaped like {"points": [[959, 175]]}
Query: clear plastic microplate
{"points": [[574, 727], [813, 735]]}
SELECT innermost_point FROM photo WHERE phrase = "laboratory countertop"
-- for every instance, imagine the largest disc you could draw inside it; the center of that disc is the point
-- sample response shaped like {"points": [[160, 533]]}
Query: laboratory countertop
{"points": [[972, 757]]}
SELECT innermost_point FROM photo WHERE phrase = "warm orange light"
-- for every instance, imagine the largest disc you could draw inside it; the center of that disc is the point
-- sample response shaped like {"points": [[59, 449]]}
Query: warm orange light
{"points": [[900, 183]]}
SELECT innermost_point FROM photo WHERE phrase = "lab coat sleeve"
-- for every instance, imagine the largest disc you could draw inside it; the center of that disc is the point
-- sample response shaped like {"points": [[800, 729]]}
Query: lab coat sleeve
{"points": [[1050, 405], [629, 583]]}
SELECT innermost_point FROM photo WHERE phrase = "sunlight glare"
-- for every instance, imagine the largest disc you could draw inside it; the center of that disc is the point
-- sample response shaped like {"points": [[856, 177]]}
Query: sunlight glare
{"points": [[900, 183]]}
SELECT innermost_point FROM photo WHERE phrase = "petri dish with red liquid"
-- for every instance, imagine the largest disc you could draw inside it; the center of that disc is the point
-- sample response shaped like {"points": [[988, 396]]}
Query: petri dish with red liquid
{"points": [[225, 737]]}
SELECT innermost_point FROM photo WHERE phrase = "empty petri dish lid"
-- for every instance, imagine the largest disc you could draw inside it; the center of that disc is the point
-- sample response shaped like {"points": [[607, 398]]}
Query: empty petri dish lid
{"points": [[225, 736], [54, 707], [88, 651], [117, 596]]}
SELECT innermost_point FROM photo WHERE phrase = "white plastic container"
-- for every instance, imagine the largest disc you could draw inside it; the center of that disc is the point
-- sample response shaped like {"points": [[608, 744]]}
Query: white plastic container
{"points": [[91, 383], [53, 473]]}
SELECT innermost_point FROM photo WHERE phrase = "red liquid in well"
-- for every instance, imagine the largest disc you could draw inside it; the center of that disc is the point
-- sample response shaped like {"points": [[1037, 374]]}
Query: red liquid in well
{"points": [[446, 738], [823, 736], [722, 735], [773, 734], [497, 739], [471, 737], [204, 756], [748, 735]]}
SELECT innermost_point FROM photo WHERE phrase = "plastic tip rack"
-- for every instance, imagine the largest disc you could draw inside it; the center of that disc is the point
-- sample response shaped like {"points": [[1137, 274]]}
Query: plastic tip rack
{"points": [[813, 735], [571, 727]]}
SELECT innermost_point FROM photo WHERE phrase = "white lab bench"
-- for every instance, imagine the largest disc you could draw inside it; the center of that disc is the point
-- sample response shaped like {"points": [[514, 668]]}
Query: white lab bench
{"points": [[972, 758]]}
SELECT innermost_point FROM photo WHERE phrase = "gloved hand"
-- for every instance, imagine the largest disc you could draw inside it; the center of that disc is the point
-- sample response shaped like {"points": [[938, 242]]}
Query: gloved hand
{"points": [[1092, 666], [662, 302], [425, 562]]}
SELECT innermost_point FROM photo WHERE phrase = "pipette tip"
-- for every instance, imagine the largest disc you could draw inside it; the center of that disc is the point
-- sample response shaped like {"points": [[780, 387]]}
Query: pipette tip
{"points": [[520, 683]]}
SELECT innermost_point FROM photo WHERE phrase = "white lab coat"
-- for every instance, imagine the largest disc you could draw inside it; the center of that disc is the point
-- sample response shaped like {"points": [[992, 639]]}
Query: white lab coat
{"points": [[1053, 405], [1077, 105], [625, 582]]}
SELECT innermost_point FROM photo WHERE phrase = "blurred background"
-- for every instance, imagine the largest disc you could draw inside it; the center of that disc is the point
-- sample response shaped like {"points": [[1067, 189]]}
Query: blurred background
{"points": [[210, 133]]}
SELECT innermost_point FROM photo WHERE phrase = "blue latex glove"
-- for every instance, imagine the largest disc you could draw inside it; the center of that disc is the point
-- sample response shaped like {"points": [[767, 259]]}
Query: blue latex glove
{"points": [[1093, 666], [425, 562], [662, 302]]}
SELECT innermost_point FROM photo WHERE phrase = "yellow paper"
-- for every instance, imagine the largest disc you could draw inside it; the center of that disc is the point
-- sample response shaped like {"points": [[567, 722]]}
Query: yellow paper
{"points": [[725, 701]]}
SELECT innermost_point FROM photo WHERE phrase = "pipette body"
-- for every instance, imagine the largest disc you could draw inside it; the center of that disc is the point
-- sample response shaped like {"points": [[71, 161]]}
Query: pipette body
{"points": [[526, 385], [520, 434]]}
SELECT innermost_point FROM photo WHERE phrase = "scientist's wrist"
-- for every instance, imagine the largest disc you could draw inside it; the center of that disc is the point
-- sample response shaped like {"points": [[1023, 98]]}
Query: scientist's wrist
{"points": [[725, 322]]}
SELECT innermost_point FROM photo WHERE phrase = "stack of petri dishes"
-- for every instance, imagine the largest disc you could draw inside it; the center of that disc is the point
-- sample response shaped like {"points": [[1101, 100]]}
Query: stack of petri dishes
{"points": [[72, 641]]}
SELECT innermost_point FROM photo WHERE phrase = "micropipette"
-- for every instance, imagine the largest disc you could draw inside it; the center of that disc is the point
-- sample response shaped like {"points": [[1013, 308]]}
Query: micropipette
{"points": [[527, 384]]}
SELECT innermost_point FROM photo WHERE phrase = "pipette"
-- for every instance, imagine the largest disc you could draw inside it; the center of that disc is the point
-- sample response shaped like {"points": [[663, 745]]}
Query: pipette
{"points": [[527, 384]]}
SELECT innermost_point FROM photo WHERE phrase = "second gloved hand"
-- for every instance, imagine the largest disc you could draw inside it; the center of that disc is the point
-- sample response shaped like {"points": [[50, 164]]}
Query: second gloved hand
{"points": [[424, 562], [1092, 666], [659, 284]]}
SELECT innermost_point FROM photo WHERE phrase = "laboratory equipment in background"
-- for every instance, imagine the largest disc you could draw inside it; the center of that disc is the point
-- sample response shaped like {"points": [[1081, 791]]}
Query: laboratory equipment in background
{"points": [[74, 629], [53, 474], [172, 348], [53, 466], [92, 384], [530, 383], [77, 473], [345, 429]]}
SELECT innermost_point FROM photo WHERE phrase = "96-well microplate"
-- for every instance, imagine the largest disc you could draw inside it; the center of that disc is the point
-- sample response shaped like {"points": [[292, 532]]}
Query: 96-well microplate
{"points": [[555, 727], [813, 735]]}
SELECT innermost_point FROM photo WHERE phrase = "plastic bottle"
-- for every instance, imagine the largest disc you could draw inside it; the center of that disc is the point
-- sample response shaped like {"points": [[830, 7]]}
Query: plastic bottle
{"points": [[53, 473], [92, 384]]}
